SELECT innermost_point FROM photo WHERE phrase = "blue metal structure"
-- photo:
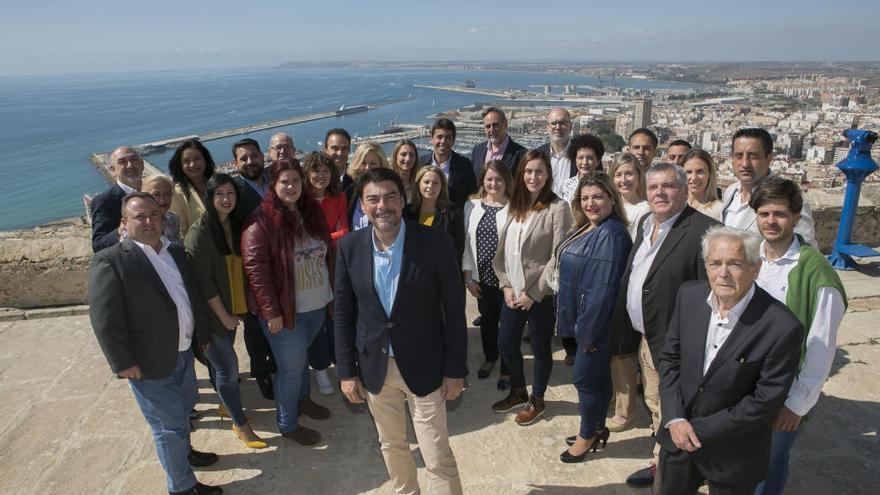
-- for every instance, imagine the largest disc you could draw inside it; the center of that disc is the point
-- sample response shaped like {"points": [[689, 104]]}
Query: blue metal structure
{"points": [[857, 165]]}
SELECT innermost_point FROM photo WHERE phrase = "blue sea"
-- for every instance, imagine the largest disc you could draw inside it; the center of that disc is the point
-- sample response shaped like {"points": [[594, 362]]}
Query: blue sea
{"points": [[49, 125]]}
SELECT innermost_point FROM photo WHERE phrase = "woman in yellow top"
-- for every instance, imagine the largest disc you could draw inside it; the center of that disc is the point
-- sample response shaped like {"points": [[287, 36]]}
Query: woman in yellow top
{"points": [[190, 167], [431, 206], [213, 245]]}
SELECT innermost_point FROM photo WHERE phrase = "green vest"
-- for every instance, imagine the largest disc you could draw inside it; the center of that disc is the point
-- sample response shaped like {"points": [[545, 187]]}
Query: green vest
{"points": [[811, 273]]}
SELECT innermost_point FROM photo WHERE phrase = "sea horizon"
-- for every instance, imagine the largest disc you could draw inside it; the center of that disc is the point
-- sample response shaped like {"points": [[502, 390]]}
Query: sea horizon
{"points": [[54, 123]]}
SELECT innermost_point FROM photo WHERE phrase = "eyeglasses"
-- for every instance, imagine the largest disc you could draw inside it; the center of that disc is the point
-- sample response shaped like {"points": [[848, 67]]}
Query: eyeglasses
{"points": [[555, 123], [282, 147]]}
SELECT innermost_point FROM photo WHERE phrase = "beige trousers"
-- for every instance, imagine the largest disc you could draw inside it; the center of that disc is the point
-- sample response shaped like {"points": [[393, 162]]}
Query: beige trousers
{"points": [[429, 422], [651, 386], [623, 376]]}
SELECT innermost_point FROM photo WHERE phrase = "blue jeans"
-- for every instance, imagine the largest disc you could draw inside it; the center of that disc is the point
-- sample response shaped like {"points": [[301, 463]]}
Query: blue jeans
{"points": [[166, 404], [592, 379], [777, 474], [291, 351], [224, 361], [541, 321]]}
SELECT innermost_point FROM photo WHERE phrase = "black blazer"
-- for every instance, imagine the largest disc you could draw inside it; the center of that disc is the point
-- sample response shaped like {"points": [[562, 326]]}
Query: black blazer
{"points": [[462, 181], [512, 155], [733, 406], [248, 199], [132, 314], [545, 148], [449, 220], [679, 259], [427, 324], [106, 214]]}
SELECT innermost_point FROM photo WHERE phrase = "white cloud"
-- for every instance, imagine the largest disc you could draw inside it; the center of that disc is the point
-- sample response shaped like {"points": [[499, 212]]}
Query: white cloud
{"points": [[474, 30]]}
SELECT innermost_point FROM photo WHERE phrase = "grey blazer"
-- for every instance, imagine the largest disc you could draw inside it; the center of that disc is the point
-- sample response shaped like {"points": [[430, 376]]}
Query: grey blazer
{"points": [[544, 233], [132, 314]]}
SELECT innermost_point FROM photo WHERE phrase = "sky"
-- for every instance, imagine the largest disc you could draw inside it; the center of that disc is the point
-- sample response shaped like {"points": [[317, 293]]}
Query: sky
{"points": [[56, 37]]}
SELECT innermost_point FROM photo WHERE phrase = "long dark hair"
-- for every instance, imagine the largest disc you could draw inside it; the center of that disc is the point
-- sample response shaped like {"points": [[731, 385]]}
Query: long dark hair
{"points": [[213, 218], [308, 217], [521, 199], [175, 165]]}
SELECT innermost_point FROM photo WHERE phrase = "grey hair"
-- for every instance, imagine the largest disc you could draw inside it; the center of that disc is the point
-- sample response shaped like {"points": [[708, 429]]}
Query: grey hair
{"points": [[681, 177], [750, 242]]}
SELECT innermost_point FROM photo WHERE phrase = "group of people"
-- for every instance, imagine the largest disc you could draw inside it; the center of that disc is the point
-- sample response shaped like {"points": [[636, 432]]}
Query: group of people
{"points": [[717, 301]]}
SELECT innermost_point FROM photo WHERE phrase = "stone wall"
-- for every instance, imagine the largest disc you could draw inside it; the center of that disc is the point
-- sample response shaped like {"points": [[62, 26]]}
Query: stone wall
{"points": [[48, 265], [45, 266]]}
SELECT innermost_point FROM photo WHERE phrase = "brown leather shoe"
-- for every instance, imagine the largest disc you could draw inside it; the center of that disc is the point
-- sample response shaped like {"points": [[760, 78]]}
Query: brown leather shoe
{"points": [[529, 414], [310, 408], [514, 399], [303, 436]]}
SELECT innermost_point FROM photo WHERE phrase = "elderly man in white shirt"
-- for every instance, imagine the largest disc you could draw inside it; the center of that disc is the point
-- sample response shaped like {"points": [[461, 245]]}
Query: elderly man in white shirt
{"points": [[752, 154], [796, 274]]}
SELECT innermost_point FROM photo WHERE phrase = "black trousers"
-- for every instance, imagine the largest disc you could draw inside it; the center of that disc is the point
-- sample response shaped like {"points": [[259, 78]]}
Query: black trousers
{"points": [[489, 304], [680, 476], [262, 361]]}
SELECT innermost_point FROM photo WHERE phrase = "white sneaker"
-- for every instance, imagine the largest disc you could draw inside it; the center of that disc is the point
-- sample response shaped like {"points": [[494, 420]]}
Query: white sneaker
{"points": [[325, 386]]}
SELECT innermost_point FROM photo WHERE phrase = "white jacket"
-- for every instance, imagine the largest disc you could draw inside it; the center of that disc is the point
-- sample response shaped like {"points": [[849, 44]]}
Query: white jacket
{"points": [[473, 212]]}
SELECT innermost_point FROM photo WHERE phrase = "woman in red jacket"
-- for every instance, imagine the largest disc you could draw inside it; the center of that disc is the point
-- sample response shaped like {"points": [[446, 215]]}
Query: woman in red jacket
{"points": [[324, 185], [285, 250]]}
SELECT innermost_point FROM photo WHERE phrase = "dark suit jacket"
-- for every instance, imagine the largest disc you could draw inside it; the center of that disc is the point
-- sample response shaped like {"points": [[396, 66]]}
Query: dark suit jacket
{"points": [[545, 148], [512, 155], [248, 198], [106, 215], [679, 259], [462, 181], [427, 326], [732, 407], [449, 220], [132, 314]]}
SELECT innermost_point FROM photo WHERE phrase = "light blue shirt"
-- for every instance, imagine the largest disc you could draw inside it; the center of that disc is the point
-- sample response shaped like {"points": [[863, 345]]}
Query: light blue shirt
{"points": [[260, 189], [386, 271]]}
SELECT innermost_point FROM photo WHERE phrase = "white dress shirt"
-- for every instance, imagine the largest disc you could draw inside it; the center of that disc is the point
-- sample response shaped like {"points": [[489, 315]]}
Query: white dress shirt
{"points": [[167, 270], [513, 242], [721, 327], [641, 265], [735, 213], [126, 188], [821, 336], [561, 167]]}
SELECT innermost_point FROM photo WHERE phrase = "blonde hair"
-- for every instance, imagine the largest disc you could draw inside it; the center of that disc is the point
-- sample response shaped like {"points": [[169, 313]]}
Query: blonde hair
{"points": [[630, 159], [355, 168], [442, 198], [157, 179]]}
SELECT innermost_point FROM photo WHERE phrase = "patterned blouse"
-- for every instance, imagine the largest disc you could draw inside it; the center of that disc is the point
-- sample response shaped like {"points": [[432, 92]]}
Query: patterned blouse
{"points": [[487, 244]]}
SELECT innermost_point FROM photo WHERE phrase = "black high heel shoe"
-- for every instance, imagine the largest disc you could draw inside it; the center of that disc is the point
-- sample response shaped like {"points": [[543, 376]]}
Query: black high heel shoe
{"points": [[570, 458]]}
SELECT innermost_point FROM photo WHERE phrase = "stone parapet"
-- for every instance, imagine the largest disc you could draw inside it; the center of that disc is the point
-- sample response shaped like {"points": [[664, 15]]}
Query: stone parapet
{"points": [[48, 265]]}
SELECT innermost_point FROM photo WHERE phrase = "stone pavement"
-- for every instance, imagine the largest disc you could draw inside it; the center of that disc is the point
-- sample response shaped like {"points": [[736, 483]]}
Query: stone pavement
{"points": [[72, 428]]}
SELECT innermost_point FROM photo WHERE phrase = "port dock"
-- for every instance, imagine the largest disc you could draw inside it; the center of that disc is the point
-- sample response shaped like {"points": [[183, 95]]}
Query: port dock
{"points": [[100, 159]]}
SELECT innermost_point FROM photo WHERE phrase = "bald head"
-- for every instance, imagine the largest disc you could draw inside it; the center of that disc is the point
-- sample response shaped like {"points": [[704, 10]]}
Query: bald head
{"points": [[281, 146], [127, 166], [559, 126]]}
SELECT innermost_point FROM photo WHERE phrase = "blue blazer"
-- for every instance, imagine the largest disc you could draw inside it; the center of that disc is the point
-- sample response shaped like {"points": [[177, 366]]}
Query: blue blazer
{"points": [[590, 270], [512, 155], [462, 181], [427, 326], [106, 215]]}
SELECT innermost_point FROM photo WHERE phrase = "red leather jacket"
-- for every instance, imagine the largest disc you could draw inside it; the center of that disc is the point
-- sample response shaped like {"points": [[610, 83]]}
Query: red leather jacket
{"points": [[268, 259]]}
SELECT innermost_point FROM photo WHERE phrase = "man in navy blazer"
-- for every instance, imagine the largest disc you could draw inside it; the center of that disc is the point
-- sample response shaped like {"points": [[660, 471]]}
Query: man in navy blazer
{"points": [[498, 145], [400, 331], [458, 169], [106, 208], [731, 355]]}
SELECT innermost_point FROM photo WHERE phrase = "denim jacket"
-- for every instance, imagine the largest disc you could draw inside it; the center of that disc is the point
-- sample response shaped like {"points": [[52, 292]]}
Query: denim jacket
{"points": [[590, 270]]}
